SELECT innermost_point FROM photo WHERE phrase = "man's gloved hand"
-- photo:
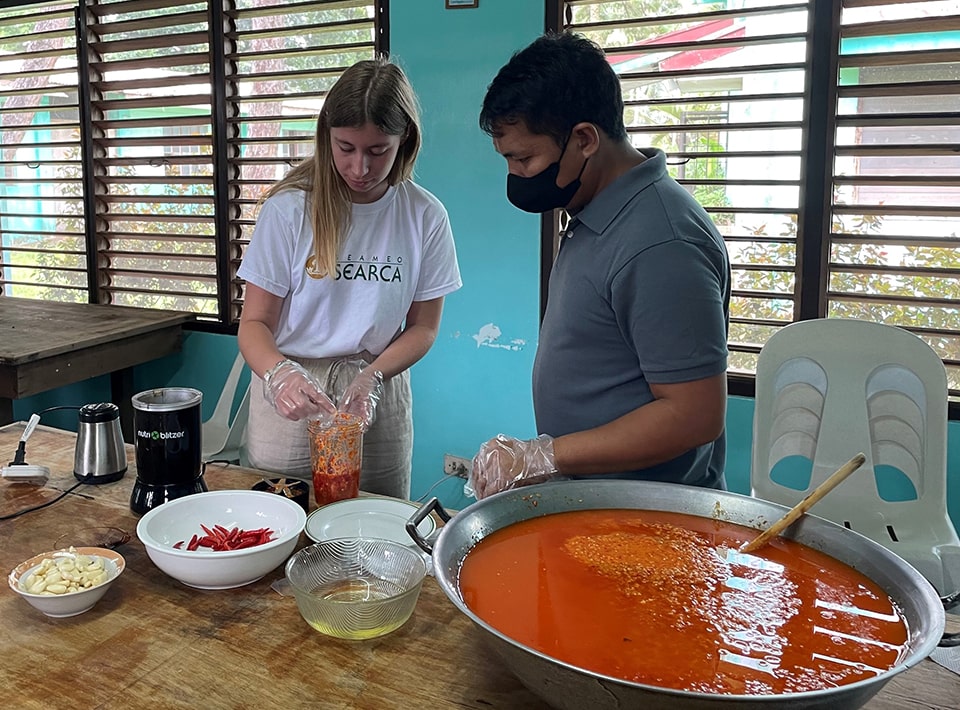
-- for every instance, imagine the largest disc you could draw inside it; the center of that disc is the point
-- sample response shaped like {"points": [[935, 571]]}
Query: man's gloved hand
{"points": [[361, 396], [295, 393], [505, 462]]}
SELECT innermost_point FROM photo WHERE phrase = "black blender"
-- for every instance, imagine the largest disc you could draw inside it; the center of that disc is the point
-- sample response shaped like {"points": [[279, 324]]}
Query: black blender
{"points": [[168, 446]]}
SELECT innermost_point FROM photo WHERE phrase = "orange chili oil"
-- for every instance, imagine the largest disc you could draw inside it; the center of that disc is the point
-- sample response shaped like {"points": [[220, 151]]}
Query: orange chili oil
{"points": [[664, 599]]}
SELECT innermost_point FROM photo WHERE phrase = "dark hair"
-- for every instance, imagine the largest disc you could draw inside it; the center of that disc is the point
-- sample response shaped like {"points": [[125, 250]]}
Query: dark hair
{"points": [[551, 85]]}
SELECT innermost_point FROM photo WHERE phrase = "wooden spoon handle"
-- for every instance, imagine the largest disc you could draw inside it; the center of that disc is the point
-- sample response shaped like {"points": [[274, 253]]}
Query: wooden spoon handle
{"points": [[803, 506]]}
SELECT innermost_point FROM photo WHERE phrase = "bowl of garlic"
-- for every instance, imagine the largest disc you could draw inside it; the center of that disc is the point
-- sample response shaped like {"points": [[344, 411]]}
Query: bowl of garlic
{"points": [[66, 582]]}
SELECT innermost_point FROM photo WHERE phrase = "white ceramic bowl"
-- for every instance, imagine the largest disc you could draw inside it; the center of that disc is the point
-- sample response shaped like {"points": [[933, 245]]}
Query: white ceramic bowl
{"points": [[367, 517], [71, 603], [179, 519]]}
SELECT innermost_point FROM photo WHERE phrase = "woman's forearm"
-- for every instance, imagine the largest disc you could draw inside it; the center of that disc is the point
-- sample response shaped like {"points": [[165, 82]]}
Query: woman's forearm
{"points": [[416, 339], [409, 347], [258, 346]]}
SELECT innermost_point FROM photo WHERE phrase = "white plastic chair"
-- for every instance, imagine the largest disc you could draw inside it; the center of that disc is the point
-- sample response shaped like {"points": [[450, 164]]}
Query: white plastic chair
{"points": [[222, 437], [829, 388]]}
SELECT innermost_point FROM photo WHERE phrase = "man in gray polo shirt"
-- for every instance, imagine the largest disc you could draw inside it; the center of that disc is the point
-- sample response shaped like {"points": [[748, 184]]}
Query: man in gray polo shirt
{"points": [[629, 379]]}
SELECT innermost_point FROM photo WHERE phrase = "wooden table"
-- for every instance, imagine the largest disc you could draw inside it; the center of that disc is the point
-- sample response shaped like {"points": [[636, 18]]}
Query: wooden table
{"points": [[46, 344], [153, 642]]}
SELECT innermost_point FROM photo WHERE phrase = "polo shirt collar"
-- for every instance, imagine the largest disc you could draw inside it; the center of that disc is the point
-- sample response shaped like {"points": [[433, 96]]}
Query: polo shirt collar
{"points": [[605, 206]]}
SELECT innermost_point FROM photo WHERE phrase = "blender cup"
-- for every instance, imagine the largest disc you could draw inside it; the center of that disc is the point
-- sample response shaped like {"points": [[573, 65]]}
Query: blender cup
{"points": [[335, 456]]}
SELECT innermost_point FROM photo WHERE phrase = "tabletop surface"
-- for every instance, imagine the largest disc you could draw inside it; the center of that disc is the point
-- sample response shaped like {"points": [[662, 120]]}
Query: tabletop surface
{"points": [[154, 642], [32, 329]]}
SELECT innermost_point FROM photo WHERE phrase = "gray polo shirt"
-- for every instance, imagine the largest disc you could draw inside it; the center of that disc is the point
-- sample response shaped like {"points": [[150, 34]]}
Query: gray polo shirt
{"points": [[639, 294]]}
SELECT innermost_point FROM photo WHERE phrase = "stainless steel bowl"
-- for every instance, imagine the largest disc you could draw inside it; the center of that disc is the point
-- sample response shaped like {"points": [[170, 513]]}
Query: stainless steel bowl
{"points": [[569, 687]]}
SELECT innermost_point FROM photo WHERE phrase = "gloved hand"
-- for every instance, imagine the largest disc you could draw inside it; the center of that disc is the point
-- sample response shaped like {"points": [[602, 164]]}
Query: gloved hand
{"points": [[505, 462], [295, 393], [361, 396]]}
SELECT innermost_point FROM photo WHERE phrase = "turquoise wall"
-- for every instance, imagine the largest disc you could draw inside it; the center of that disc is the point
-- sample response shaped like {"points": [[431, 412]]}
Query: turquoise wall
{"points": [[475, 382], [471, 385]]}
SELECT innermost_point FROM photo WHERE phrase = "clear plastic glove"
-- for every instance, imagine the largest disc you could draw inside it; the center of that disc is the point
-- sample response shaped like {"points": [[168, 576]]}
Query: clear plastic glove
{"points": [[341, 373], [362, 395], [295, 393], [505, 462]]}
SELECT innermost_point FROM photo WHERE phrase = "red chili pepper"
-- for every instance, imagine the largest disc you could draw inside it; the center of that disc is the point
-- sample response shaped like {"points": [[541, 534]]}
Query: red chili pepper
{"points": [[219, 539]]}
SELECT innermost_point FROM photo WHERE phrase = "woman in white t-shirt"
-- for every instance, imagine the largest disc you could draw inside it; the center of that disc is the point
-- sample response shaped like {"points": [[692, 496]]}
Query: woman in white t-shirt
{"points": [[346, 273]]}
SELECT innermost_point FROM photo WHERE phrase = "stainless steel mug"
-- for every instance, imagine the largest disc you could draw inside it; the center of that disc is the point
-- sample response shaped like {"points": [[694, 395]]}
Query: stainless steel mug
{"points": [[99, 456]]}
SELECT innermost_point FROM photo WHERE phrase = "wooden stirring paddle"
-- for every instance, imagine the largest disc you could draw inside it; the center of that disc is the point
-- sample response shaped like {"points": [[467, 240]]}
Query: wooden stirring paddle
{"points": [[805, 505]]}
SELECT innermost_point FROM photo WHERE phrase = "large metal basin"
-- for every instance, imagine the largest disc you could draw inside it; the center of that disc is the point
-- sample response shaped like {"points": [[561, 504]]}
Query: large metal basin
{"points": [[569, 687]]}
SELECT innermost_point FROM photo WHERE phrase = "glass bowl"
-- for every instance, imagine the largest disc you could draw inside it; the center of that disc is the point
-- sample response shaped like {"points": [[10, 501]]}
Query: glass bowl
{"points": [[356, 588]]}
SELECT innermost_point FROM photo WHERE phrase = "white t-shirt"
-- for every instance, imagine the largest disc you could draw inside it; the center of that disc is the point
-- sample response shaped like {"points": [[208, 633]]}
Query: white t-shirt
{"points": [[398, 250]]}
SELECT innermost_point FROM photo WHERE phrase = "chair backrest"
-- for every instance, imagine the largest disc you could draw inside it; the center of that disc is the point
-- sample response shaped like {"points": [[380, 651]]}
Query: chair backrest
{"points": [[830, 388], [222, 437], [234, 448]]}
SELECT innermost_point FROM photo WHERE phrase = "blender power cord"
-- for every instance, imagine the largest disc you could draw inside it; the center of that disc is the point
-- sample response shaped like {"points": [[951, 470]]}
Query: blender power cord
{"points": [[19, 460], [71, 489], [446, 477], [58, 407]]}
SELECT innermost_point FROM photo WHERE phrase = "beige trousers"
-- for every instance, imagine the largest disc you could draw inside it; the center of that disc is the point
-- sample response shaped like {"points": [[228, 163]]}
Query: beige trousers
{"points": [[275, 443]]}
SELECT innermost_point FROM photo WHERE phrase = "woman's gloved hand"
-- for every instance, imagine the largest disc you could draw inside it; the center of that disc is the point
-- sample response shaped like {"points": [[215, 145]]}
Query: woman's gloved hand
{"points": [[361, 396], [505, 462], [295, 393]]}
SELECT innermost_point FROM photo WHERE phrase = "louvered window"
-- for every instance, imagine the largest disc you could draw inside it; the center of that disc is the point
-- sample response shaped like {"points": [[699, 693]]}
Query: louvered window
{"points": [[894, 253], [151, 140], [139, 134], [42, 246], [823, 139]]}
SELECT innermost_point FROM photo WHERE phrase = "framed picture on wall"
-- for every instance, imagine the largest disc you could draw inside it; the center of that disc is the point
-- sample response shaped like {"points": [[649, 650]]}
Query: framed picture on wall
{"points": [[461, 4]]}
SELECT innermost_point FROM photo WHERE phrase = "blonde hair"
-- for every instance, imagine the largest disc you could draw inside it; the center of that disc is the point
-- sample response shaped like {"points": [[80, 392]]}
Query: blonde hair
{"points": [[371, 91]]}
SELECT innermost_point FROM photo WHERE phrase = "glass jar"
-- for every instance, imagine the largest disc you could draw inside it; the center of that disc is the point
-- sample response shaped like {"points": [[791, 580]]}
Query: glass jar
{"points": [[336, 454]]}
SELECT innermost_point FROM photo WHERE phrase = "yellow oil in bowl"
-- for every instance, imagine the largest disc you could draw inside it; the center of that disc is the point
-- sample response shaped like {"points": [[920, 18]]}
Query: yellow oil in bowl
{"points": [[353, 588]]}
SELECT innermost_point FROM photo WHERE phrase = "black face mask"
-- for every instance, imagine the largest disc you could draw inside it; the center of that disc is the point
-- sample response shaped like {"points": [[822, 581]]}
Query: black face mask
{"points": [[540, 193]]}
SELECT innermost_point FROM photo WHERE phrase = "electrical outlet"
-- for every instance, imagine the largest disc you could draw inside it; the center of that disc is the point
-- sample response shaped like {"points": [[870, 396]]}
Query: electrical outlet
{"points": [[456, 465]]}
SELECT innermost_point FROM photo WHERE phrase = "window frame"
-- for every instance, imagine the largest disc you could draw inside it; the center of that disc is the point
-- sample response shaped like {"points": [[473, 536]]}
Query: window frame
{"points": [[816, 201]]}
